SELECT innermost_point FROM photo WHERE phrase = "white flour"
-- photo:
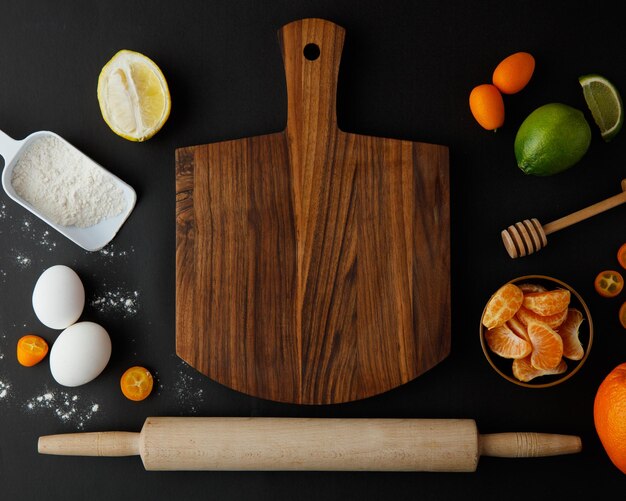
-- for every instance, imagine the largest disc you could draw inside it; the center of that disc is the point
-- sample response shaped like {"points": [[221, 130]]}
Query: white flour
{"points": [[46, 241], [110, 252], [66, 407], [117, 300], [40, 237], [64, 185], [5, 386], [23, 261], [189, 396]]}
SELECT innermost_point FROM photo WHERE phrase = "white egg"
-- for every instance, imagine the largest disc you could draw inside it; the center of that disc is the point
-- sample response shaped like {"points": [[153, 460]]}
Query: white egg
{"points": [[80, 354], [58, 297]]}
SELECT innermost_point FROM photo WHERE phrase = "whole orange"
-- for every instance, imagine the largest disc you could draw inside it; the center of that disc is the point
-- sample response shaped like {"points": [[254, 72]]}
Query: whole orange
{"points": [[609, 414]]}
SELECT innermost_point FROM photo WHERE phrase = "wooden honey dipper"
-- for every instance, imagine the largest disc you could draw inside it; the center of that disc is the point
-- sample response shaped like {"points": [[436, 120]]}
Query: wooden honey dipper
{"points": [[524, 238]]}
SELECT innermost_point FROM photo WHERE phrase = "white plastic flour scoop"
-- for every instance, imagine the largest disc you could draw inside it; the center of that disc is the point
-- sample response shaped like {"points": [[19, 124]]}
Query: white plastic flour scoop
{"points": [[91, 238]]}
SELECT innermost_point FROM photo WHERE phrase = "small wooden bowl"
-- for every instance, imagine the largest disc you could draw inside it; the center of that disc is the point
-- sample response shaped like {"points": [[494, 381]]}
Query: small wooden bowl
{"points": [[503, 366]]}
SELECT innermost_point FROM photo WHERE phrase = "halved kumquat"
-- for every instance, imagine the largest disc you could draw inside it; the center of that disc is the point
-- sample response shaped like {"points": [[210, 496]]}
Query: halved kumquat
{"points": [[136, 383], [31, 350], [609, 283]]}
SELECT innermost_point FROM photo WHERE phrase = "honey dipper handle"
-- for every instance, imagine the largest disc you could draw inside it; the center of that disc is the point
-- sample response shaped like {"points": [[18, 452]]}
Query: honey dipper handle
{"points": [[520, 444], [587, 212]]}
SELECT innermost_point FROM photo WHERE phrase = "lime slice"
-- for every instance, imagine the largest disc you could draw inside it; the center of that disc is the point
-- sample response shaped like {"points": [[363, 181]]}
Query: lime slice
{"points": [[605, 104], [133, 95]]}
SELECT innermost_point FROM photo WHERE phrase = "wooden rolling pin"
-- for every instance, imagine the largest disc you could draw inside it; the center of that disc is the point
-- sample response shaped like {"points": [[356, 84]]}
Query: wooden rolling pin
{"points": [[207, 443]]}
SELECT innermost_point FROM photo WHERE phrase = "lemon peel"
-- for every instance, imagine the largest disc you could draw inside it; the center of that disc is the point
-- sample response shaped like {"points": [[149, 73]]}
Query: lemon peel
{"points": [[133, 95]]}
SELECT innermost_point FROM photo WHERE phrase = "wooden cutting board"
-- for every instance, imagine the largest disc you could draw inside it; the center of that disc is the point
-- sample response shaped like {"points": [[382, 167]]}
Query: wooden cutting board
{"points": [[312, 265]]}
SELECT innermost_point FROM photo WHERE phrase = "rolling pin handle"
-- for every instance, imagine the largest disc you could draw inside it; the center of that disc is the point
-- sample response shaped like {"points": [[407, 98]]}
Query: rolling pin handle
{"points": [[110, 444], [518, 445]]}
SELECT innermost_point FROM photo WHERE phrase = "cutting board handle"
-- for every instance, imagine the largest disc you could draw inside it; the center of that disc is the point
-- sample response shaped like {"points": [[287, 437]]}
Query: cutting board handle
{"points": [[311, 54]]}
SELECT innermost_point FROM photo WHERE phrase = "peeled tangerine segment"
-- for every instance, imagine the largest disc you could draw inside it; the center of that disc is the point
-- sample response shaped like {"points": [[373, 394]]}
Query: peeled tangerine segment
{"points": [[572, 347], [527, 287], [553, 321], [518, 328], [547, 346], [548, 302], [502, 306], [524, 370], [504, 342]]}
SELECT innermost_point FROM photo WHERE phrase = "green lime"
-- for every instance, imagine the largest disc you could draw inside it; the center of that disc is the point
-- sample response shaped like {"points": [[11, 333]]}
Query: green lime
{"points": [[605, 104], [551, 139]]}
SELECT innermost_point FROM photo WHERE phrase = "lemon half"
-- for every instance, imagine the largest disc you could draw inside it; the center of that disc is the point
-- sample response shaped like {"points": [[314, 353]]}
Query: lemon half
{"points": [[133, 95]]}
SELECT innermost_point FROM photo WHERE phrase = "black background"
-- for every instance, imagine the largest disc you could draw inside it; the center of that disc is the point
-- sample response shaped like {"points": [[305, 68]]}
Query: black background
{"points": [[406, 72]]}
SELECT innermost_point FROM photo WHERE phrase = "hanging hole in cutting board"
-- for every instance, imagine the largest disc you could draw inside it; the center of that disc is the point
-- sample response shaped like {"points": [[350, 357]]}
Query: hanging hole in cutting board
{"points": [[311, 51]]}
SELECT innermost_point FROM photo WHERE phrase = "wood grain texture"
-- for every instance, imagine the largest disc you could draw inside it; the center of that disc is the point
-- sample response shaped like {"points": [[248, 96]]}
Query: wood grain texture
{"points": [[312, 265], [339, 444]]}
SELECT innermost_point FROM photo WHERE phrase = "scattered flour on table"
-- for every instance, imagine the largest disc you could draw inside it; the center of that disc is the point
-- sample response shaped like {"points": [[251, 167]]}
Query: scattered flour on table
{"points": [[5, 384], [189, 396], [117, 300], [23, 261], [111, 252], [65, 406], [68, 407], [66, 186], [5, 388], [38, 233], [46, 241], [41, 237]]}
